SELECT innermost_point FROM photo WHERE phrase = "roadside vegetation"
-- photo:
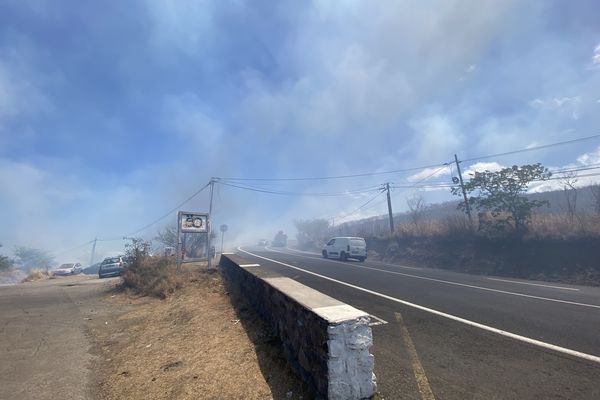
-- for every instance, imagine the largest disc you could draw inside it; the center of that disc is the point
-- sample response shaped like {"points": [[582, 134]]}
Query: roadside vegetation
{"points": [[37, 274], [149, 275], [182, 336], [550, 236]]}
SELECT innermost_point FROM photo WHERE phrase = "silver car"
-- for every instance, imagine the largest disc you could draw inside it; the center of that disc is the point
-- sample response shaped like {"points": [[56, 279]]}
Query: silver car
{"points": [[111, 266], [67, 269]]}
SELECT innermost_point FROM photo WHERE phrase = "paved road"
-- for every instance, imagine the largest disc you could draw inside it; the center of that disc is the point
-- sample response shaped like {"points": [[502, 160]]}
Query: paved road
{"points": [[472, 337], [44, 350]]}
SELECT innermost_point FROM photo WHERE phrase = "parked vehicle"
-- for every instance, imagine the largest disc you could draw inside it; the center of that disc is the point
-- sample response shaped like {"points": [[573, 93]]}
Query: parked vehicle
{"points": [[68, 269], [263, 242], [344, 248], [111, 266]]}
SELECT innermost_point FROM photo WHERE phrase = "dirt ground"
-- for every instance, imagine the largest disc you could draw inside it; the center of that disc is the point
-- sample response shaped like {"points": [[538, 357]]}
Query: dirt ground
{"points": [[193, 345]]}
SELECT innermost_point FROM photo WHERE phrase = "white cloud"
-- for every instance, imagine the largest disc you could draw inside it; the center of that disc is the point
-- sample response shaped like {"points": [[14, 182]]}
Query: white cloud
{"points": [[555, 103], [435, 137], [596, 56], [428, 173], [187, 26], [593, 157], [483, 166]]}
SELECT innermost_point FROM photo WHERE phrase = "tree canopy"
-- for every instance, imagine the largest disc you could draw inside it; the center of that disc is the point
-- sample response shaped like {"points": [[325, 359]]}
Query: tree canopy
{"points": [[502, 193], [29, 257], [5, 262]]}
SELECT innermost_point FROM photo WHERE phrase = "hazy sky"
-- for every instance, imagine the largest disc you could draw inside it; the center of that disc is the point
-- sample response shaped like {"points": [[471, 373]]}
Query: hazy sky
{"points": [[113, 112]]}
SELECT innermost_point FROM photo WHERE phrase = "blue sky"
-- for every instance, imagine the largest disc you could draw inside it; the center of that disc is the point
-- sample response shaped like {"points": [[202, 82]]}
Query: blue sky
{"points": [[113, 112]]}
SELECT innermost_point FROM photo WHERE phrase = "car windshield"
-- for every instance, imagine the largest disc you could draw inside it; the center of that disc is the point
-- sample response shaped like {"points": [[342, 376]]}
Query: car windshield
{"points": [[66, 266], [113, 260]]}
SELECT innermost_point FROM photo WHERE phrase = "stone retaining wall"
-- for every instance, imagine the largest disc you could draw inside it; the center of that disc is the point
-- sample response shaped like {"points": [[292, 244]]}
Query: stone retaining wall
{"points": [[325, 341]]}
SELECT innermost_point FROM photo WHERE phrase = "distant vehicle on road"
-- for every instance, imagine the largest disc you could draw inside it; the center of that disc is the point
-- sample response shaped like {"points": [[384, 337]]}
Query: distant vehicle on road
{"points": [[111, 266], [263, 242], [67, 269], [344, 248], [280, 240]]}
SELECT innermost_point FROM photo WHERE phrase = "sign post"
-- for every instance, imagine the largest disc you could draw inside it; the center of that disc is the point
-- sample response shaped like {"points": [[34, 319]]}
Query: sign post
{"points": [[223, 230], [191, 223]]}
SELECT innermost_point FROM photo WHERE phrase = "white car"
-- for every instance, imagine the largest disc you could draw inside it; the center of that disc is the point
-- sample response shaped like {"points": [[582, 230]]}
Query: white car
{"points": [[344, 248], [68, 269]]}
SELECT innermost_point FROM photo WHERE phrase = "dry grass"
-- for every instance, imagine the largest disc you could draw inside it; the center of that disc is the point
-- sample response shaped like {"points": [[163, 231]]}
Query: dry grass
{"points": [[153, 276], [37, 274], [551, 226], [192, 345], [559, 226]]}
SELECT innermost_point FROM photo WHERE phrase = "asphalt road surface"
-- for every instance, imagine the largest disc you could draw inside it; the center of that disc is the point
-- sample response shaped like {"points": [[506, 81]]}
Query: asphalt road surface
{"points": [[447, 335], [44, 349]]}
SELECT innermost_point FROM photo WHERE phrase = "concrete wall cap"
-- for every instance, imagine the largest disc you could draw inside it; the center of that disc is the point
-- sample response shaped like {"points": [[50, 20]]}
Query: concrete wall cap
{"points": [[340, 313], [308, 297]]}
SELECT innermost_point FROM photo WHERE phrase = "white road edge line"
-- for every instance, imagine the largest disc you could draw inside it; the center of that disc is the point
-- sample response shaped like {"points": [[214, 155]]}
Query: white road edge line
{"points": [[378, 322], [319, 255], [501, 332], [450, 282], [533, 284], [249, 265]]}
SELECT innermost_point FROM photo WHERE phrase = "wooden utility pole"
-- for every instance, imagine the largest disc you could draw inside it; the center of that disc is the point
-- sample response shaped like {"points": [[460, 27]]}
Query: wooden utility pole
{"points": [[93, 252], [387, 187], [209, 228], [464, 192]]}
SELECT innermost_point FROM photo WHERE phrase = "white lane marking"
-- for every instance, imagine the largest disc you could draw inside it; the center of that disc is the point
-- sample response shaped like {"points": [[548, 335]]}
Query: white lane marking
{"points": [[319, 256], [305, 252], [401, 266], [228, 254], [451, 283], [532, 284], [501, 332], [378, 322], [249, 265]]}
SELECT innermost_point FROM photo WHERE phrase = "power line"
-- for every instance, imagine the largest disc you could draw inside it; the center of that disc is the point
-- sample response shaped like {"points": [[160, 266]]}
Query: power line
{"points": [[176, 208], [73, 248], [363, 205], [321, 178], [286, 193], [161, 217], [545, 146]]}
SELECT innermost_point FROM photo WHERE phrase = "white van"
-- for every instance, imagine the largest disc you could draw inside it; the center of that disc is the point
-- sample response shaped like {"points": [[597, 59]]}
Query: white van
{"points": [[344, 248]]}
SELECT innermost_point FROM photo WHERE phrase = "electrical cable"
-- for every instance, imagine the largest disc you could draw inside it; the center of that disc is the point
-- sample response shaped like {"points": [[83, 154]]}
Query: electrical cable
{"points": [[72, 248], [319, 178], [170, 211], [545, 146], [365, 204], [285, 193]]}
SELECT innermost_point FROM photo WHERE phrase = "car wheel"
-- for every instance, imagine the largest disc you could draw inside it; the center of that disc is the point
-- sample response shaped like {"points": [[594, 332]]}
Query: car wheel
{"points": [[325, 254], [343, 256], [100, 276], [361, 259]]}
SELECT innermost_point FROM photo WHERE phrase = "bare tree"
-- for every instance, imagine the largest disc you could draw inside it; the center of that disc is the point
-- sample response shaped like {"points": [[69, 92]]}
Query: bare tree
{"points": [[416, 206], [569, 180]]}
